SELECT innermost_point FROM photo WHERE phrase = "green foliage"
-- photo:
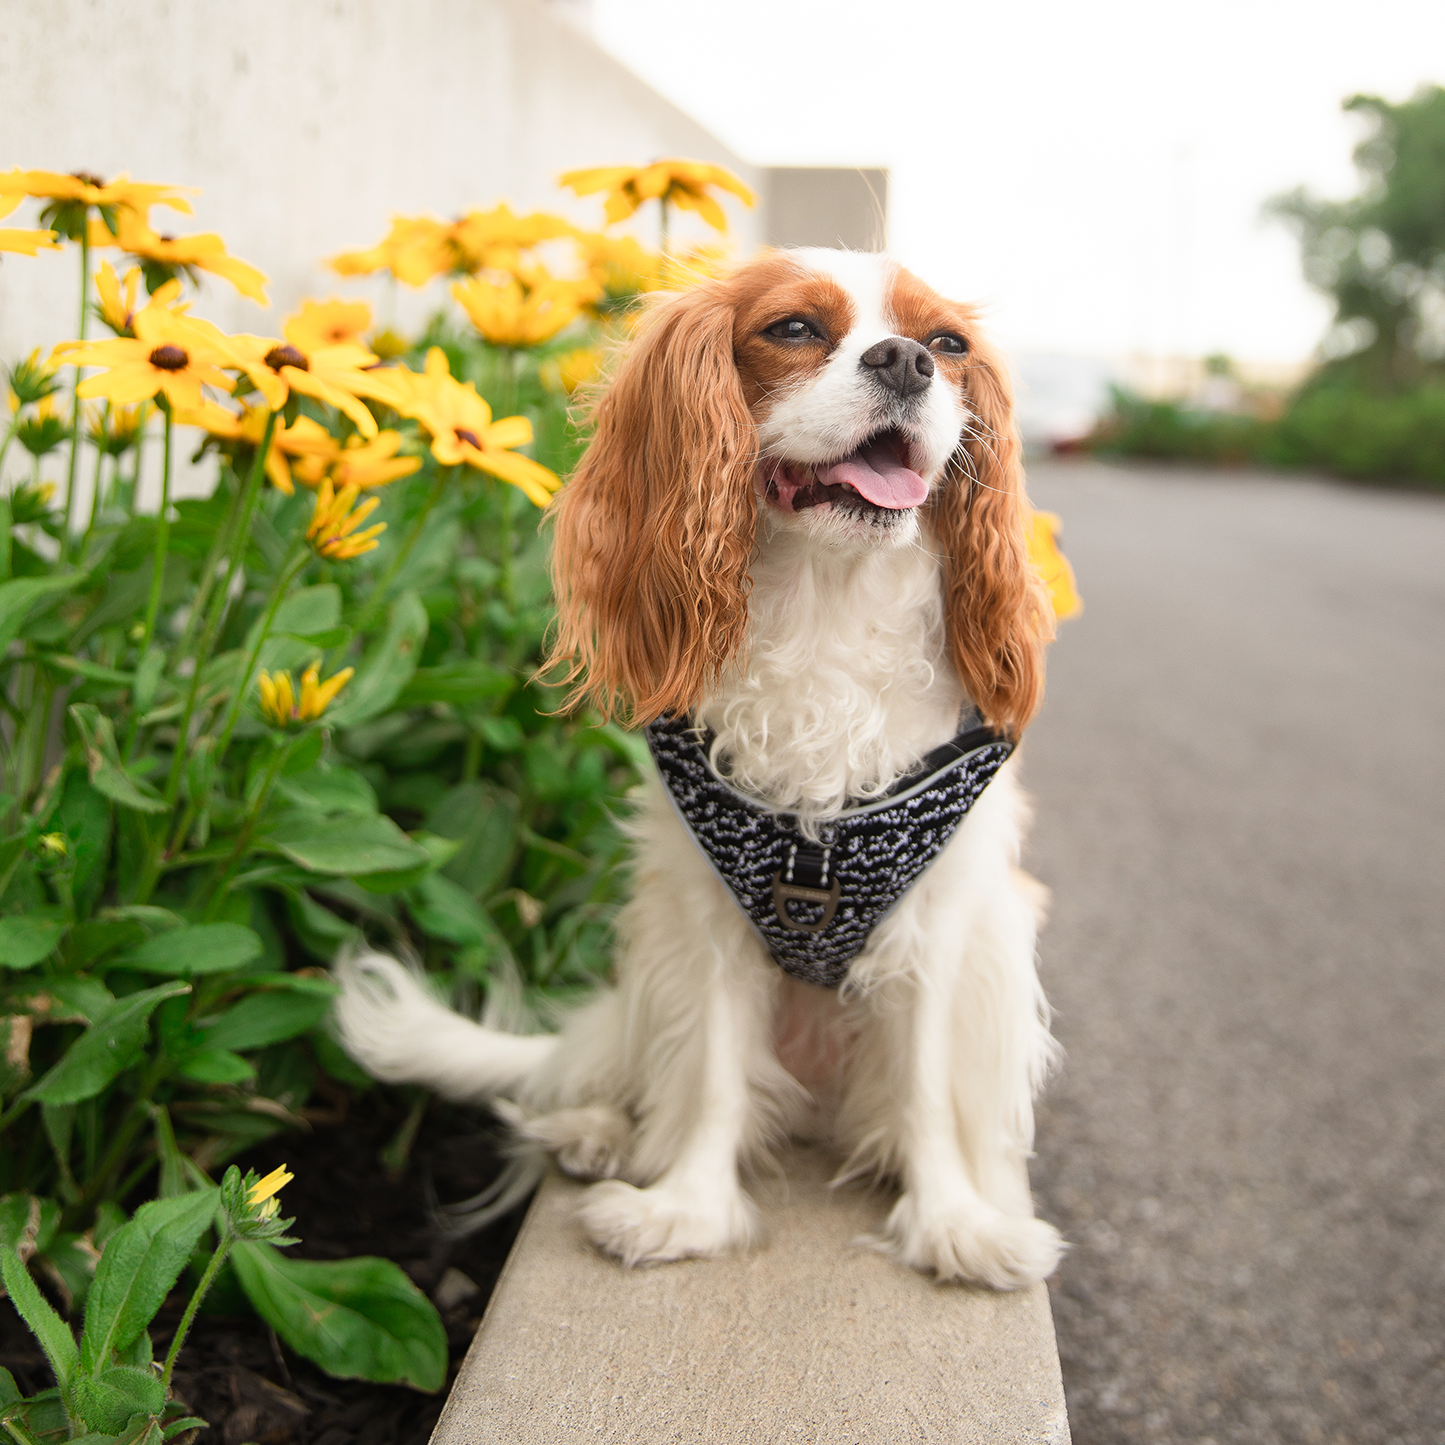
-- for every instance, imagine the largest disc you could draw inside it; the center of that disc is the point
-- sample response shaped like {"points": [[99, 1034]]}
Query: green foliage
{"points": [[180, 860], [1380, 256]]}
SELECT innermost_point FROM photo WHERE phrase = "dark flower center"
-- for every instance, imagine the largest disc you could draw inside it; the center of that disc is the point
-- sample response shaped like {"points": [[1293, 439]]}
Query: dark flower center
{"points": [[280, 356], [88, 178], [169, 358], [470, 437]]}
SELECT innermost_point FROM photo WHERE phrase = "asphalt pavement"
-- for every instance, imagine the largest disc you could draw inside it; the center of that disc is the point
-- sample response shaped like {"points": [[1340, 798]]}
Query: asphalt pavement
{"points": [[1239, 775]]}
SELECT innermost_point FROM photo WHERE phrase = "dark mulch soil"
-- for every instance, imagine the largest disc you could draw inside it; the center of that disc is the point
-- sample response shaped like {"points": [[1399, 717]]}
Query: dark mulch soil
{"points": [[236, 1374]]}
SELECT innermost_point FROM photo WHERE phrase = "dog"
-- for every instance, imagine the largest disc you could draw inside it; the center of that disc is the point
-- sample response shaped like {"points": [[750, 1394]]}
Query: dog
{"points": [[796, 548]]}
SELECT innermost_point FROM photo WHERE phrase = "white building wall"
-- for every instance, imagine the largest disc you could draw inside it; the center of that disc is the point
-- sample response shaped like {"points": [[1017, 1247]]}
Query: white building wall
{"points": [[306, 123]]}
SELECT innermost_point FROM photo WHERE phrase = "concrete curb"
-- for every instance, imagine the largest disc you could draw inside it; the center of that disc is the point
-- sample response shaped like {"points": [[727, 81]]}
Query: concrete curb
{"points": [[811, 1337]]}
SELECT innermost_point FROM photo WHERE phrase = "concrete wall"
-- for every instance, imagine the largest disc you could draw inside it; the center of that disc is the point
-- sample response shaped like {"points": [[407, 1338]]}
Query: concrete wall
{"points": [[827, 206], [306, 123]]}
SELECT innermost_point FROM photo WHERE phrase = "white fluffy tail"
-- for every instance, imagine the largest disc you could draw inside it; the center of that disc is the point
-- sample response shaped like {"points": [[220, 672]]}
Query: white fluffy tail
{"points": [[392, 1025]]}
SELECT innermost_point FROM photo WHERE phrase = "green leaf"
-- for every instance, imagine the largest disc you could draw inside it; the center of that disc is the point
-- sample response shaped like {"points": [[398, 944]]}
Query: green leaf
{"points": [[195, 948], [93, 671], [484, 819], [439, 853], [18, 597], [141, 1262], [217, 1066], [386, 668], [147, 679], [91, 941], [302, 614], [356, 1318], [363, 845], [338, 790], [114, 1040], [14, 1219], [84, 817], [25, 940], [48, 1328], [103, 759], [266, 1018], [9, 1391], [110, 1403], [332, 637], [446, 910], [469, 681]]}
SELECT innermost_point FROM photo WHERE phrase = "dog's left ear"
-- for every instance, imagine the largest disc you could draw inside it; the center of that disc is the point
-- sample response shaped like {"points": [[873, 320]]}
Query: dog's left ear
{"points": [[998, 614]]}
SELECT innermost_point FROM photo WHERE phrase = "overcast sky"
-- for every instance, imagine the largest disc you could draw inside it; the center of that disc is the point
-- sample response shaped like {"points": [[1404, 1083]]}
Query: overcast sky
{"points": [[1093, 173]]}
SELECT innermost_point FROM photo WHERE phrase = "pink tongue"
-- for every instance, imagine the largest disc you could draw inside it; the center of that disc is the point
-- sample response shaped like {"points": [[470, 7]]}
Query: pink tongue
{"points": [[876, 474]]}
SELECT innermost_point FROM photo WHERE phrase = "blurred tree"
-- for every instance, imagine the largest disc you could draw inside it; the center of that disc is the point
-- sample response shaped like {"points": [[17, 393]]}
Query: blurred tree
{"points": [[1381, 255]]}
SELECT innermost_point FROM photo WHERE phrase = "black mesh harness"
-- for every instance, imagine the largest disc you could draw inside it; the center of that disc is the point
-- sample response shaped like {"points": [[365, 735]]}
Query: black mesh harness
{"points": [[816, 903]]}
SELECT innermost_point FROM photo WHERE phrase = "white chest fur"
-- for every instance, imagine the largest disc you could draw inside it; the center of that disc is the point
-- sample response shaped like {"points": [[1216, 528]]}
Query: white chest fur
{"points": [[846, 683]]}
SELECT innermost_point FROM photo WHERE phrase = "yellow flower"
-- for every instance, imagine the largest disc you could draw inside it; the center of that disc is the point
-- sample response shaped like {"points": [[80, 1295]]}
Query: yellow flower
{"points": [[681, 183], [620, 265], [573, 370], [507, 316], [54, 845], [169, 353], [91, 190], [28, 243], [113, 429], [304, 439], [370, 464], [280, 705], [329, 323], [335, 374], [203, 252], [333, 524], [417, 248], [1052, 565], [117, 297], [389, 345], [462, 430]]}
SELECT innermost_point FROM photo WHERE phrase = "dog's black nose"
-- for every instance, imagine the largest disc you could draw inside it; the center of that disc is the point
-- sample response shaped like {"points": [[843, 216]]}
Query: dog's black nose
{"points": [[901, 365]]}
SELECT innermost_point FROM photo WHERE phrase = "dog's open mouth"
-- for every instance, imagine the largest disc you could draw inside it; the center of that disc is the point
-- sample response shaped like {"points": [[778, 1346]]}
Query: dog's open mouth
{"points": [[874, 478]]}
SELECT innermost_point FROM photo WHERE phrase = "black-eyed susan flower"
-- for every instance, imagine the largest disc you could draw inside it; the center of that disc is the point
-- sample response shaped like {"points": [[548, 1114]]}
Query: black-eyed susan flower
{"points": [[23, 243], [72, 197], [461, 428], [330, 323], [508, 316], [682, 183], [117, 297], [169, 353], [281, 705], [335, 374], [364, 464], [497, 240], [415, 250], [304, 440], [333, 523], [164, 256], [1051, 564], [575, 369], [619, 264], [113, 429]]}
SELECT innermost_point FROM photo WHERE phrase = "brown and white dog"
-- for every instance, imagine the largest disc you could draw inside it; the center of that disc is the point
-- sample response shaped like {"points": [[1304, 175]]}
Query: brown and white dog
{"points": [[801, 522]]}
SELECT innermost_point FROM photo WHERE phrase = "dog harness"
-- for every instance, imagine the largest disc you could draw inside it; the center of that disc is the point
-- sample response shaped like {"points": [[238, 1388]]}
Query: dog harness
{"points": [[815, 903]]}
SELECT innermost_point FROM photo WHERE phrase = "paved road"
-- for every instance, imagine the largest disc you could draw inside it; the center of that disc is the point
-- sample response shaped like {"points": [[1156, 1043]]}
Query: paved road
{"points": [[1240, 777]]}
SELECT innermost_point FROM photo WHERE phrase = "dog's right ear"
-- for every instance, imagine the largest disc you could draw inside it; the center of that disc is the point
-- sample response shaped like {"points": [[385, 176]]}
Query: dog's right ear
{"points": [[654, 533]]}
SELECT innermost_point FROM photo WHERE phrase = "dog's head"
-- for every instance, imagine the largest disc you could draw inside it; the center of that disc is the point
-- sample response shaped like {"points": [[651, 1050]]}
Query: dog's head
{"points": [[828, 393]]}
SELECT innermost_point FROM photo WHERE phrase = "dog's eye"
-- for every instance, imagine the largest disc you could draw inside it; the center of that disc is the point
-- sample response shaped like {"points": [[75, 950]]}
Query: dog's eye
{"points": [[793, 329], [948, 343]]}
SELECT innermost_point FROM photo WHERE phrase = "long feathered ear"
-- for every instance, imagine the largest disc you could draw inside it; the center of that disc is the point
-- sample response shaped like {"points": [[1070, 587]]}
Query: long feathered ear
{"points": [[654, 533], [999, 616]]}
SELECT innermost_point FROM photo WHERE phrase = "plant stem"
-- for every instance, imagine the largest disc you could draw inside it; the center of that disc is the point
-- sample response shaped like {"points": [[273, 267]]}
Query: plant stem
{"points": [[187, 1319], [369, 613], [662, 222], [284, 577], [75, 398], [95, 499], [163, 540], [247, 502]]}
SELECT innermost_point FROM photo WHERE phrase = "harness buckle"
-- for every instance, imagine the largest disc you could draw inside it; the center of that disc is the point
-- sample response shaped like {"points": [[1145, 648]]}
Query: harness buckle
{"points": [[784, 893]]}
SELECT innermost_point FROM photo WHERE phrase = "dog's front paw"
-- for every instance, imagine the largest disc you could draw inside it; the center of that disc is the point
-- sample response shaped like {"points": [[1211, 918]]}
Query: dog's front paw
{"points": [[983, 1244], [648, 1226]]}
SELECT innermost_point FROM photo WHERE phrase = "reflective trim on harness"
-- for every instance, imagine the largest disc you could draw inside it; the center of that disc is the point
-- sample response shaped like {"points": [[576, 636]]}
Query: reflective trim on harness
{"points": [[815, 903]]}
